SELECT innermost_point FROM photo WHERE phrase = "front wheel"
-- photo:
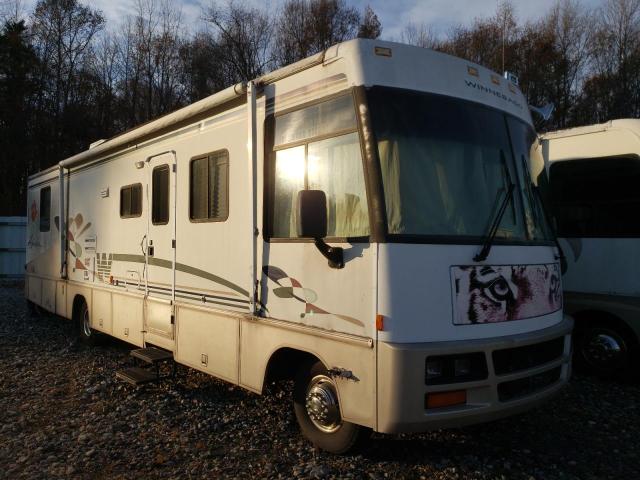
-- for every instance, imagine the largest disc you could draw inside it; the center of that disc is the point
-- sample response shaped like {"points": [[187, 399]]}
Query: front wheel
{"points": [[315, 402], [603, 349]]}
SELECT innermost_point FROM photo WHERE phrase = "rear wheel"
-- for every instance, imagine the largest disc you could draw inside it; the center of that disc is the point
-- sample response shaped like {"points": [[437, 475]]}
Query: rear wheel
{"points": [[604, 348], [83, 323], [33, 310], [315, 402]]}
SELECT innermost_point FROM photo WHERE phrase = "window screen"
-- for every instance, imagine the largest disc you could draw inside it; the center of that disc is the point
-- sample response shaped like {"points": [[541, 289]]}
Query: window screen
{"points": [[597, 197], [131, 201], [332, 164], [45, 209], [160, 195], [209, 187]]}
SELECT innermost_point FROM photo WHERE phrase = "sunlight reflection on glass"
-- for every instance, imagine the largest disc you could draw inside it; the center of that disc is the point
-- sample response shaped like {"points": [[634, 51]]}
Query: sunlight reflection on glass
{"points": [[290, 165]]}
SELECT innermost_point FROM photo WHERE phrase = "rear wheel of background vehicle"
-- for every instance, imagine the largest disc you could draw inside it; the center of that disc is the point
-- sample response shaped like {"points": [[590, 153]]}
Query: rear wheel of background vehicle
{"points": [[83, 322], [33, 310], [315, 402], [603, 348]]}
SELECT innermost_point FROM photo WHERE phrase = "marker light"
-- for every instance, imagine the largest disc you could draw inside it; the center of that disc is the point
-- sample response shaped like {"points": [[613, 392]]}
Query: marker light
{"points": [[446, 399], [382, 51]]}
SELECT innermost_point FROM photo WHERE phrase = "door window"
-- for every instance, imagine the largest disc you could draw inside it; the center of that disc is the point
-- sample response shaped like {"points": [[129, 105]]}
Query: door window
{"points": [[45, 209], [160, 195]]}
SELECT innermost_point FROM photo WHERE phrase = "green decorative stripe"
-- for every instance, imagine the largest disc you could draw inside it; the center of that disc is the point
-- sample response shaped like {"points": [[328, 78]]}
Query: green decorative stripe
{"points": [[180, 267]]}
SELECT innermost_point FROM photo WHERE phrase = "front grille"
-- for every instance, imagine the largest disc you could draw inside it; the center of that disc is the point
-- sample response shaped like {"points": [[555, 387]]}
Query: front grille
{"points": [[528, 385], [511, 360]]}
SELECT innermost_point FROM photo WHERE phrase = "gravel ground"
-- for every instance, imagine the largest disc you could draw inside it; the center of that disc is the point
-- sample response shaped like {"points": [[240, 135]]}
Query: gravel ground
{"points": [[64, 415]]}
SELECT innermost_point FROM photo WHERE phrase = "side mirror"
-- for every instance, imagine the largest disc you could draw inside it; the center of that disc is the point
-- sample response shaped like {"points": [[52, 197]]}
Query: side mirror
{"points": [[312, 214], [312, 223]]}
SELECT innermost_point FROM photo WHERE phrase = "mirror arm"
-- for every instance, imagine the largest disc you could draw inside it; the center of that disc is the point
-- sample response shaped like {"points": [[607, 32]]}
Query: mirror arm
{"points": [[335, 255]]}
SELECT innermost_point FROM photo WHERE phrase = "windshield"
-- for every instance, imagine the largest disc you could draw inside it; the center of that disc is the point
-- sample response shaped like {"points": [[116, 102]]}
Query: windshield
{"points": [[447, 165]]}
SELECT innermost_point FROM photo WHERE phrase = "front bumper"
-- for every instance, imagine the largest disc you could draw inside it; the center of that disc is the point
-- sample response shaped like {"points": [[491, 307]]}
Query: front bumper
{"points": [[402, 389]]}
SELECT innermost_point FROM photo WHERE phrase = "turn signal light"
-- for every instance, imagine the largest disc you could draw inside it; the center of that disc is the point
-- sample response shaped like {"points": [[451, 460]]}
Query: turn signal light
{"points": [[446, 399], [379, 322]]}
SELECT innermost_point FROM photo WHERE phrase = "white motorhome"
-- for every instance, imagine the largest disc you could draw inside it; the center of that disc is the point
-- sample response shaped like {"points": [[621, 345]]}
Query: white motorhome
{"points": [[361, 222], [594, 195]]}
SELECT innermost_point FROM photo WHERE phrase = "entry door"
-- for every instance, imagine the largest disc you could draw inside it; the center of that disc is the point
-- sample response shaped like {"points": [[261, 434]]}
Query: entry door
{"points": [[160, 250]]}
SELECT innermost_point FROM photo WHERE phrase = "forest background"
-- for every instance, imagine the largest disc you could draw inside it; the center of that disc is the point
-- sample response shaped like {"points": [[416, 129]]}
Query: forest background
{"points": [[68, 78]]}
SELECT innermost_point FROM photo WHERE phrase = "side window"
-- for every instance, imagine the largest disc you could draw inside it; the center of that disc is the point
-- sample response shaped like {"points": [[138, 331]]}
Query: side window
{"points": [[317, 148], [131, 201], [160, 195], [596, 197], [209, 187], [45, 209]]}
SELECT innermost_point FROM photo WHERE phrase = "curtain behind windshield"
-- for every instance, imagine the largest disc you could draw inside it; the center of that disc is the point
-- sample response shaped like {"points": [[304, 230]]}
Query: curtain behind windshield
{"points": [[446, 164]]}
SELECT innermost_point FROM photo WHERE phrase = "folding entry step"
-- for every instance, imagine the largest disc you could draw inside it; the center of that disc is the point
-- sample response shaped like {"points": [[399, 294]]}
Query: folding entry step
{"points": [[152, 357], [137, 376]]}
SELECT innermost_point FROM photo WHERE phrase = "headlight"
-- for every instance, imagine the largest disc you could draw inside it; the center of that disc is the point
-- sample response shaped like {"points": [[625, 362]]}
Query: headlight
{"points": [[434, 369], [461, 367], [456, 368]]}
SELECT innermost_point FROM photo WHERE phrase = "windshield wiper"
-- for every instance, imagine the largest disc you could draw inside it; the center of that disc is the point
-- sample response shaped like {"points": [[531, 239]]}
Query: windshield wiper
{"points": [[493, 229]]}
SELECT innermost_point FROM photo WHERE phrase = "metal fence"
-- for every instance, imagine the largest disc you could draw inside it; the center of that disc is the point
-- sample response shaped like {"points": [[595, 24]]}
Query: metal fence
{"points": [[12, 246]]}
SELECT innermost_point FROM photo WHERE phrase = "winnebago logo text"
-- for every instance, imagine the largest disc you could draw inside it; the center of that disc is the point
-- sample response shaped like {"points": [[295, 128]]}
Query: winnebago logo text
{"points": [[491, 91]]}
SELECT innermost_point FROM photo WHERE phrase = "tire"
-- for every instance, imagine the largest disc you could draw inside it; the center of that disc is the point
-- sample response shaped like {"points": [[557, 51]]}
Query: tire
{"points": [[87, 335], [33, 310], [313, 390], [604, 348]]}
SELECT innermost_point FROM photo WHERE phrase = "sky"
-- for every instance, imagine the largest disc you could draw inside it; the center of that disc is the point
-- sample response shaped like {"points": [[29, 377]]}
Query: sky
{"points": [[442, 15]]}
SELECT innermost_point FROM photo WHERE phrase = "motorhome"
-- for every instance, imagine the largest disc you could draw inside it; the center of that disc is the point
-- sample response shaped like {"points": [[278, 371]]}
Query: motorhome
{"points": [[593, 177], [361, 222]]}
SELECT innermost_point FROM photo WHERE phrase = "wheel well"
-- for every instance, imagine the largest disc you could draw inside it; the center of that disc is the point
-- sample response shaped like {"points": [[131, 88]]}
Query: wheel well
{"points": [[284, 363], [591, 317], [78, 300]]}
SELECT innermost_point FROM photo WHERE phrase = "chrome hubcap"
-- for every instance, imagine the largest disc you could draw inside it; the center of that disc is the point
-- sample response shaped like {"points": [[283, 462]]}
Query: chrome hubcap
{"points": [[604, 349], [86, 325], [322, 404]]}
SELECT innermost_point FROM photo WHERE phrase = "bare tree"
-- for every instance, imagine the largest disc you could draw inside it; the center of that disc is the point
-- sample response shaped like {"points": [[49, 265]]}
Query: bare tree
{"points": [[148, 65], [569, 25], [203, 68], [62, 32], [305, 27], [614, 88], [105, 70], [12, 11], [370, 26], [420, 35], [489, 41], [245, 38]]}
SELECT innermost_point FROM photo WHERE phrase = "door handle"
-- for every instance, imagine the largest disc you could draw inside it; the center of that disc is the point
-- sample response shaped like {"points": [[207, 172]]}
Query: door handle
{"points": [[150, 250]]}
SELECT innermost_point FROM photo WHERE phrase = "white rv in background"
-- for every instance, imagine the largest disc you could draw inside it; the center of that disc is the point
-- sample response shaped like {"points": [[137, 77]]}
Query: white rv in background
{"points": [[361, 222], [594, 196]]}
